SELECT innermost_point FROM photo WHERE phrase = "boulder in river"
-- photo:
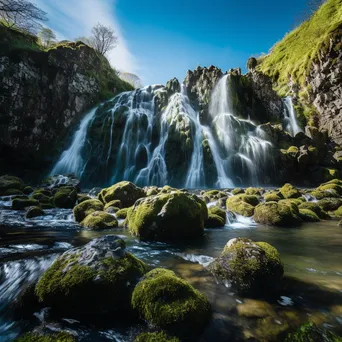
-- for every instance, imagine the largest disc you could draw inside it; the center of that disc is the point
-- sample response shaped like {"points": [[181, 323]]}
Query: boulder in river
{"points": [[85, 208], [100, 220], [251, 268], [242, 204], [155, 337], [277, 214], [170, 303], [168, 217], [10, 183], [97, 278], [126, 192], [34, 212], [65, 197]]}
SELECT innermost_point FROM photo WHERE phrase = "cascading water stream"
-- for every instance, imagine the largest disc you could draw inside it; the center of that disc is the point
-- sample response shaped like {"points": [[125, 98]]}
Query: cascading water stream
{"points": [[71, 160], [290, 119]]}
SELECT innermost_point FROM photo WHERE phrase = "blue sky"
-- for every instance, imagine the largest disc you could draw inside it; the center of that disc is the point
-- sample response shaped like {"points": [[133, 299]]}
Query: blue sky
{"points": [[161, 39]]}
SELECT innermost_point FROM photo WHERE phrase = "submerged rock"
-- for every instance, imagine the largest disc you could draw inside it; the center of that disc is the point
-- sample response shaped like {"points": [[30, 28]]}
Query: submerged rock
{"points": [[168, 217], [277, 214], [95, 279], [170, 303], [126, 192], [251, 268], [100, 220]]}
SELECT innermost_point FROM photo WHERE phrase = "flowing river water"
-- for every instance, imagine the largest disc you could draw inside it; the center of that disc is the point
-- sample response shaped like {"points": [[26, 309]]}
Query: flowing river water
{"points": [[312, 285]]}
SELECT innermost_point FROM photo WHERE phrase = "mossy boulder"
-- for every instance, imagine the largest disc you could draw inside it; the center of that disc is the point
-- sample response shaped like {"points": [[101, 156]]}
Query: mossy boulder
{"points": [[214, 194], [100, 220], [313, 206], [168, 302], [85, 208], [218, 211], [308, 215], [155, 337], [126, 192], [277, 214], [329, 187], [289, 191], [252, 268], [122, 213], [254, 191], [168, 217], [10, 182], [65, 197], [338, 212], [214, 221], [242, 204], [330, 204], [272, 197], [97, 278], [34, 212], [237, 191], [319, 194], [311, 333], [151, 191], [56, 337], [21, 204]]}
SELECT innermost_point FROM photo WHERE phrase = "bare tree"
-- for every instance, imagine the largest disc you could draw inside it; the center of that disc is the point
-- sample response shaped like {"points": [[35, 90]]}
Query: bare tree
{"points": [[47, 37], [103, 39], [22, 14], [132, 79]]}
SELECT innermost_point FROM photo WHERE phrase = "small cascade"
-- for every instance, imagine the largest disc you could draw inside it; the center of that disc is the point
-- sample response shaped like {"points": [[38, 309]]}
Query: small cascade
{"points": [[71, 160], [290, 118], [243, 148]]}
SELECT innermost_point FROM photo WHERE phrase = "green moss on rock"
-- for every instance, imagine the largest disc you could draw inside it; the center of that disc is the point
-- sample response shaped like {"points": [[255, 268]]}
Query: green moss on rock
{"points": [[311, 333], [168, 302], [272, 197], [313, 206], [289, 191], [252, 268], [277, 214], [81, 198], [166, 217], [65, 197], [122, 213], [126, 192], [34, 212], [242, 204], [97, 278], [11, 192], [28, 190], [237, 191], [214, 221], [254, 191], [155, 337], [85, 208], [57, 337], [308, 215], [330, 204], [100, 220], [218, 211], [21, 204], [114, 204]]}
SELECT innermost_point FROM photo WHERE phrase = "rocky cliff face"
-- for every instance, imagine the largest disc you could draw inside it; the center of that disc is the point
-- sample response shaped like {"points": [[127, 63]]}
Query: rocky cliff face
{"points": [[325, 87], [43, 94]]}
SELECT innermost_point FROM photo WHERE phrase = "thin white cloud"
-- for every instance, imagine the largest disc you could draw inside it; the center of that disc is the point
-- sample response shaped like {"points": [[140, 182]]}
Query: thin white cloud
{"points": [[74, 18]]}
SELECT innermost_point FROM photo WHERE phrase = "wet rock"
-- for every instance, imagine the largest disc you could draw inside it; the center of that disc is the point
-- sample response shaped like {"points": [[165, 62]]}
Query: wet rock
{"points": [[289, 191], [242, 204], [65, 197], [155, 337], [251, 268], [81, 198], [82, 210], [100, 220], [313, 206], [308, 215], [97, 278], [122, 213], [28, 190], [172, 216], [126, 192], [21, 204], [330, 204], [34, 212], [57, 181], [277, 214], [161, 296]]}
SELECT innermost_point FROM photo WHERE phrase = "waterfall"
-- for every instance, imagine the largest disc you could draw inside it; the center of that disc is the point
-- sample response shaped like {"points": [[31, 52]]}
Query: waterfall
{"points": [[290, 119], [71, 160], [151, 137], [245, 152]]}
